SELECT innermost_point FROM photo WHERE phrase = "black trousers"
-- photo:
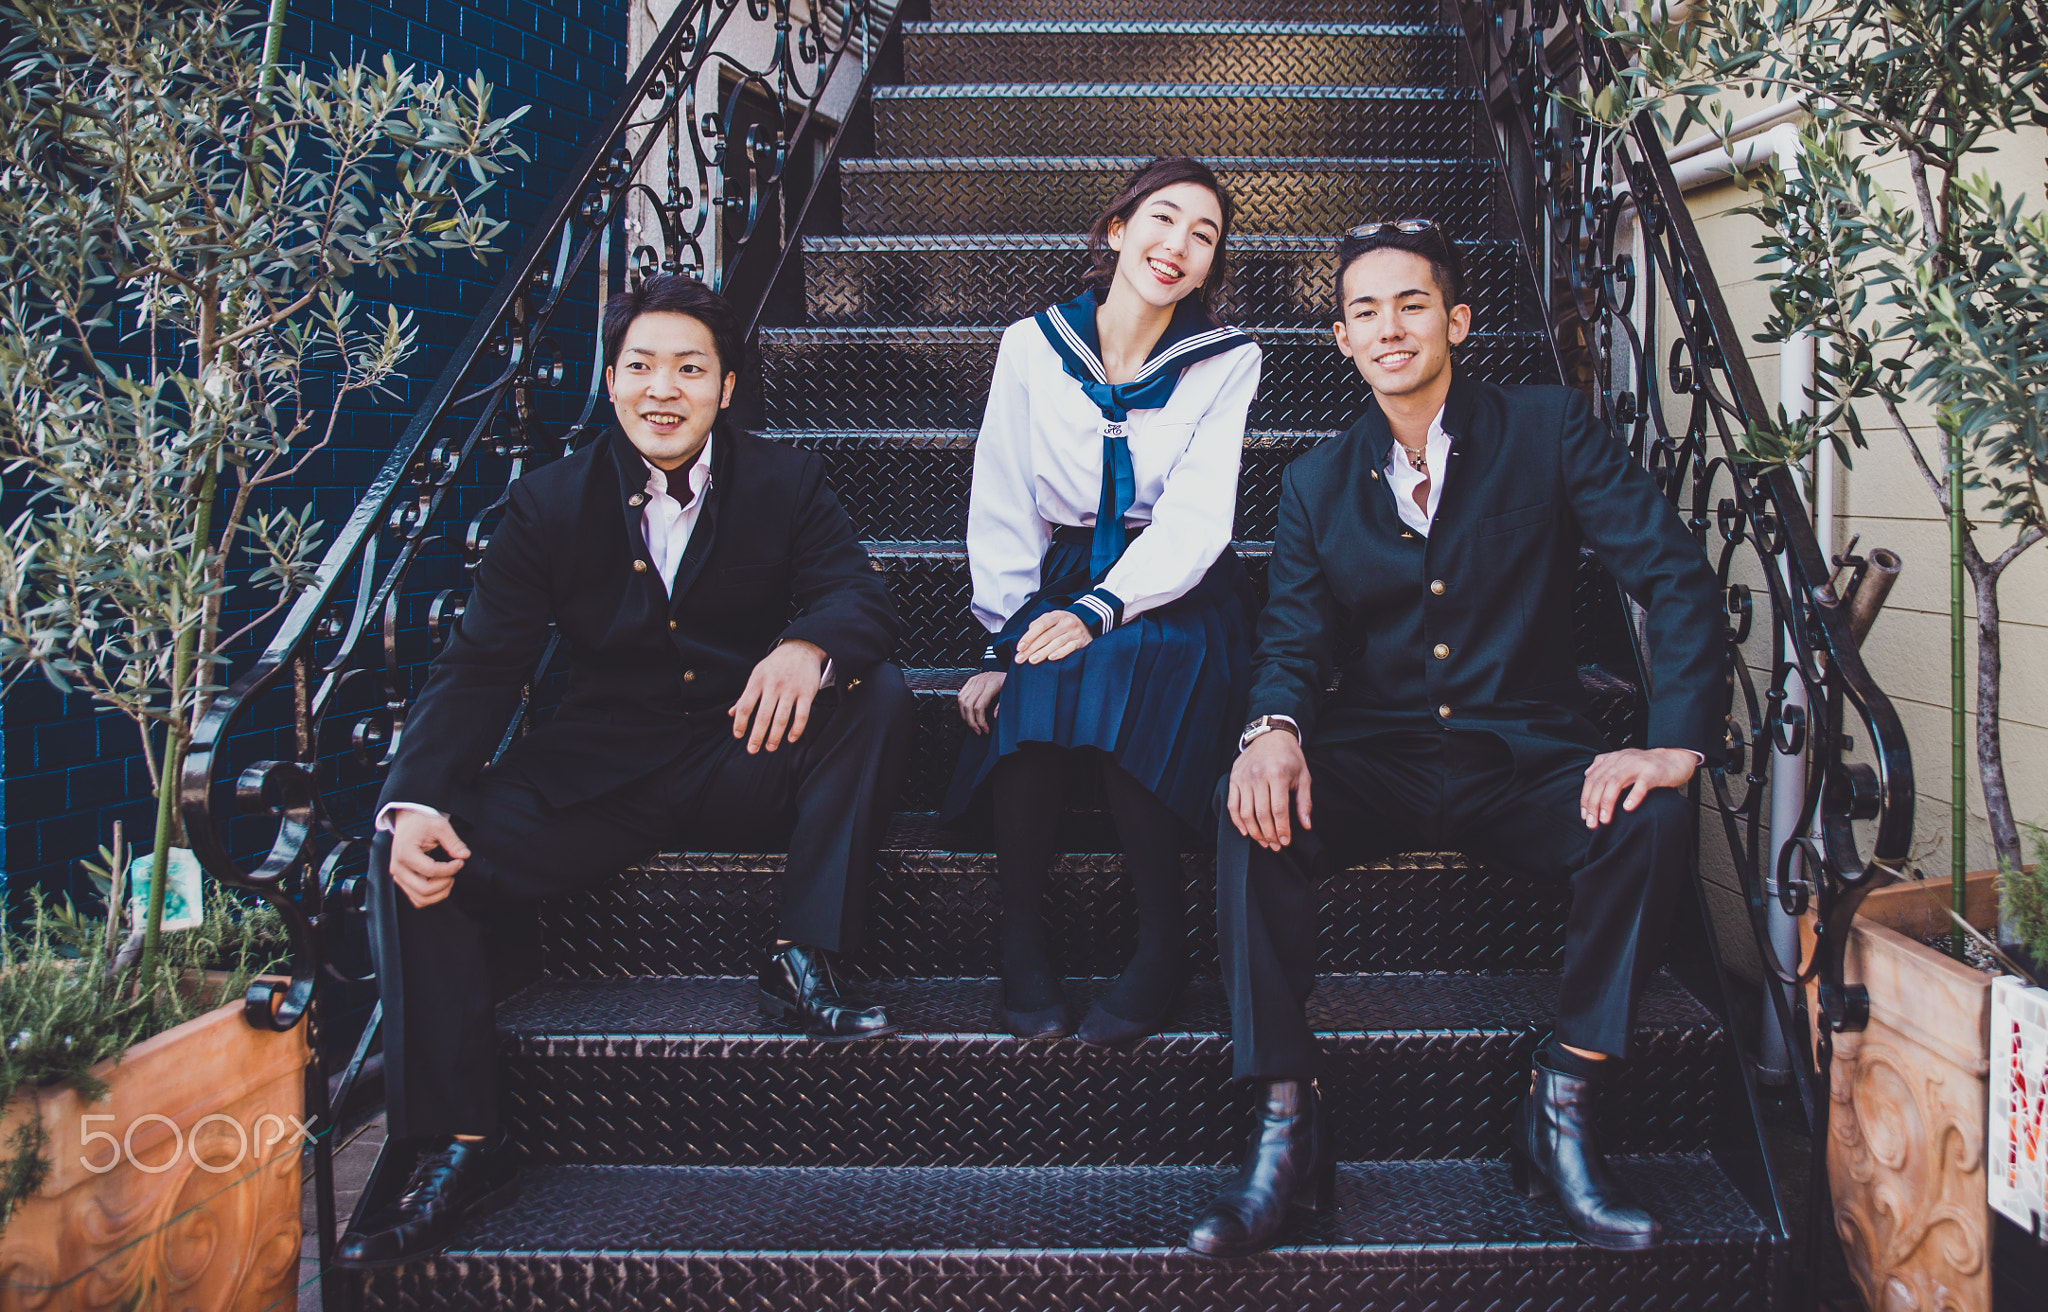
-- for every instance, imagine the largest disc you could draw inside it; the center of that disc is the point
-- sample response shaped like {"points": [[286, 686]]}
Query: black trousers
{"points": [[1441, 791], [829, 794]]}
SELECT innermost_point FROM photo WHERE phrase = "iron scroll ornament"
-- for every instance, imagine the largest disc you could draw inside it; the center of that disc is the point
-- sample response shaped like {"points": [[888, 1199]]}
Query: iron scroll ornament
{"points": [[640, 200], [1641, 325]]}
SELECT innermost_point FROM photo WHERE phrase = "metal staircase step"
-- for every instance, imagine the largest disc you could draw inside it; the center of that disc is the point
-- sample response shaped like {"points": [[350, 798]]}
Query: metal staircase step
{"points": [[1451, 1236], [685, 1072], [932, 588], [982, 281], [1220, 11], [933, 902], [869, 378], [1300, 54], [1194, 118], [1275, 196], [870, 468]]}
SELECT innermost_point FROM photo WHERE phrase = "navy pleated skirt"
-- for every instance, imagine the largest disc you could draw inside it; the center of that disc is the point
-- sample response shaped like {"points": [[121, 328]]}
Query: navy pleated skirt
{"points": [[1163, 695]]}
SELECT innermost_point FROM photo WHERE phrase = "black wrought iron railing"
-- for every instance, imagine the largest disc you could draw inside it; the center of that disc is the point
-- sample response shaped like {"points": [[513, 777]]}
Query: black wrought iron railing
{"points": [[1640, 322], [710, 165]]}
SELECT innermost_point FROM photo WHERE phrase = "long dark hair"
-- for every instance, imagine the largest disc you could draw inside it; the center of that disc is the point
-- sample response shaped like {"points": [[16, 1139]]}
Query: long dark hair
{"points": [[1153, 178]]}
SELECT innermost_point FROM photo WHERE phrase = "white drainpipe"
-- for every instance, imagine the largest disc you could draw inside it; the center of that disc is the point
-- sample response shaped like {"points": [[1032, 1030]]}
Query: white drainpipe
{"points": [[1695, 164]]}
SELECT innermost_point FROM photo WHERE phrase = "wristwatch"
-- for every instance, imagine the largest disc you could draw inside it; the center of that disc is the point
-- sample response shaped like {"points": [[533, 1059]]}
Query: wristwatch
{"points": [[1265, 724]]}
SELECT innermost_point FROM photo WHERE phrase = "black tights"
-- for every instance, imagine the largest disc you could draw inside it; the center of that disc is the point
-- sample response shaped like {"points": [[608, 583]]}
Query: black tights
{"points": [[1027, 802]]}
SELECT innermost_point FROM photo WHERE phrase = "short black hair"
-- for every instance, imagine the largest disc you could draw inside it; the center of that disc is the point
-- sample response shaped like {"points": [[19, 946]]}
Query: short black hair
{"points": [[675, 293], [1446, 261]]}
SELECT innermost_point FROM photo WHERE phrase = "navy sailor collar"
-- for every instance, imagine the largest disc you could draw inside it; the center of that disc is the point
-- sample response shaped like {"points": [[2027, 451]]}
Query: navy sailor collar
{"points": [[1192, 335]]}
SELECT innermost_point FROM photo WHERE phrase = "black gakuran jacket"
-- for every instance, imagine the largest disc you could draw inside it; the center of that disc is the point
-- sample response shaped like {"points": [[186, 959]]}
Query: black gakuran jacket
{"points": [[772, 557]]}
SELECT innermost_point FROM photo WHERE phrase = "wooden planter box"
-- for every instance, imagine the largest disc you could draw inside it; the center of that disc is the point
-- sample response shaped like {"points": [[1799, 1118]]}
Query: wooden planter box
{"points": [[177, 1192], [1908, 1093]]}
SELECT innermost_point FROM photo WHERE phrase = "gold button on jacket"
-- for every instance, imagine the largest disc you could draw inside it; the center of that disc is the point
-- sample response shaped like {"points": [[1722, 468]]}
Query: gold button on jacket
{"points": [[1441, 651], [1437, 586], [1444, 712], [639, 567]]}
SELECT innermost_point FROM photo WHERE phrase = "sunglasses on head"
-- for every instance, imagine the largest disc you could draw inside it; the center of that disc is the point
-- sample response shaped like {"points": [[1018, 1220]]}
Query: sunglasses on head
{"points": [[1412, 227]]}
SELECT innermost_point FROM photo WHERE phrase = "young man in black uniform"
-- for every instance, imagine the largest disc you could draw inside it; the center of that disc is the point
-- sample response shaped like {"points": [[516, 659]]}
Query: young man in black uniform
{"points": [[1432, 551], [670, 555]]}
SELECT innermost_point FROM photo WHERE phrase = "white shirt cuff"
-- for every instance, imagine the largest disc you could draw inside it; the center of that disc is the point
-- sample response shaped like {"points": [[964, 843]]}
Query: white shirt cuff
{"points": [[384, 822]]}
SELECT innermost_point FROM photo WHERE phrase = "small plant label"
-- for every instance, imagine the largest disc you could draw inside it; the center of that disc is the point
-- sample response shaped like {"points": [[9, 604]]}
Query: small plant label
{"points": [[184, 904], [2017, 1181]]}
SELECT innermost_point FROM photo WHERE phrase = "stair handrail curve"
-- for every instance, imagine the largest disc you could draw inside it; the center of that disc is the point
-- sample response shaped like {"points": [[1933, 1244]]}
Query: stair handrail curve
{"points": [[344, 628], [1586, 199]]}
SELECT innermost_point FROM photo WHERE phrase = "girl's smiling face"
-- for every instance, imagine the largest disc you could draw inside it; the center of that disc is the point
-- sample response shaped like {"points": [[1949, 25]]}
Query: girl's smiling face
{"points": [[1167, 249]]}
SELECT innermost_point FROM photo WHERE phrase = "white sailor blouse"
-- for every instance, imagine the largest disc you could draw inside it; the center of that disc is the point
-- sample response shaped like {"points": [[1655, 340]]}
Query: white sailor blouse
{"points": [[1058, 444]]}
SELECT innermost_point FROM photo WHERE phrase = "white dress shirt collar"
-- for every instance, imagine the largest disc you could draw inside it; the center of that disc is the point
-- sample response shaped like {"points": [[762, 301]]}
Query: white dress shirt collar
{"points": [[665, 522], [1403, 478]]}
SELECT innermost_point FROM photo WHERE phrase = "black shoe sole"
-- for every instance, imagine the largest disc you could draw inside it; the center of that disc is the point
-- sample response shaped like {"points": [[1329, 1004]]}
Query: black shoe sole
{"points": [[500, 1197]]}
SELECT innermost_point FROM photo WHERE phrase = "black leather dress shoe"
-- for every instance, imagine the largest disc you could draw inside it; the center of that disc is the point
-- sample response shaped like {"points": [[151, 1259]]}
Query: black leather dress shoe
{"points": [[1557, 1152], [1290, 1166], [450, 1183], [798, 992]]}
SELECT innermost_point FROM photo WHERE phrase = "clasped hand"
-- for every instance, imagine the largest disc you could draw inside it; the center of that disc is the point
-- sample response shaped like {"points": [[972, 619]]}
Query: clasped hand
{"points": [[1050, 637]]}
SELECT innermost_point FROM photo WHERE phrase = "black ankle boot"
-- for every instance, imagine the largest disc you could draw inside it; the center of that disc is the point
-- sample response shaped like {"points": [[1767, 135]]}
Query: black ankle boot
{"points": [[1557, 1152], [452, 1181], [1290, 1165], [798, 990]]}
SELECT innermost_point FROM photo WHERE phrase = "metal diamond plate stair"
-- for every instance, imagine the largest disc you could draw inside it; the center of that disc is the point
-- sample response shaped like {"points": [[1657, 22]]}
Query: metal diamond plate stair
{"points": [[1156, 51], [1311, 194], [685, 1072], [955, 281], [1090, 118], [938, 377], [1404, 1235], [684, 1155], [932, 908]]}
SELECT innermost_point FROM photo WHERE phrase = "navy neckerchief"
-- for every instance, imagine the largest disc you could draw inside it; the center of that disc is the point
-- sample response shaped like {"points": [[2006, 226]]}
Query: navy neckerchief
{"points": [[1191, 335]]}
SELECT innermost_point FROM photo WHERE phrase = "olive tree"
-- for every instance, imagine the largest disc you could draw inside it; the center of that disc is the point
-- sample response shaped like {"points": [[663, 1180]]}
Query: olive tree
{"points": [[1933, 291], [183, 223]]}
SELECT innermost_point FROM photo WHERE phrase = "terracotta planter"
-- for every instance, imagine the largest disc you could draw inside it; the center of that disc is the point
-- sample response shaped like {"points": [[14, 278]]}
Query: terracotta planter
{"points": [[177, 1192], [1906, 1124]]}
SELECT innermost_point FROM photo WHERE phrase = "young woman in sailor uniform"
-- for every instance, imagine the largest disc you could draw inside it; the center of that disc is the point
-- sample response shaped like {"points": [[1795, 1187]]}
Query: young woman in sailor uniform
{"points": [[1098, 536]]}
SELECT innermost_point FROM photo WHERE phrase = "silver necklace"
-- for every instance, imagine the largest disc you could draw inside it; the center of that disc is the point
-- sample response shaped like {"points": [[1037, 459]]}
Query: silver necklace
{"points": [[1418, 458]]}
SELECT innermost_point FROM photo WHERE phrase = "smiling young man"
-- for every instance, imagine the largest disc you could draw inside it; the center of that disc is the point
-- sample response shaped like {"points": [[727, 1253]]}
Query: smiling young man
{"points": [[1431, 553], [670, 556]]}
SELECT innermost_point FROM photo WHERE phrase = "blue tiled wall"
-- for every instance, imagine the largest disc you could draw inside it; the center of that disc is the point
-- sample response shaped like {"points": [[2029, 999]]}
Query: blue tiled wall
{"points": [[68, 772]]}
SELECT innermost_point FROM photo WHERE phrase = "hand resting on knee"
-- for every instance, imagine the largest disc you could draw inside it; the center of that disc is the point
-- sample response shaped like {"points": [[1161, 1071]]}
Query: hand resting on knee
{"points": [[1267, 774], [1634, 770]]}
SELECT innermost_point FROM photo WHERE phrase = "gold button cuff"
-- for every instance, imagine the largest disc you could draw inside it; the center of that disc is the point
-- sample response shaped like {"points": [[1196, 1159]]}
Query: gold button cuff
{"points": [[689, 676]]}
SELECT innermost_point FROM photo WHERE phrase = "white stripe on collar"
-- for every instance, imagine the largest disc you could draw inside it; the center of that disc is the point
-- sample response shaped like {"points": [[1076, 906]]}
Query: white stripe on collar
{"points": [[1152, 366], [1182, 347], [1081, 347]]}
